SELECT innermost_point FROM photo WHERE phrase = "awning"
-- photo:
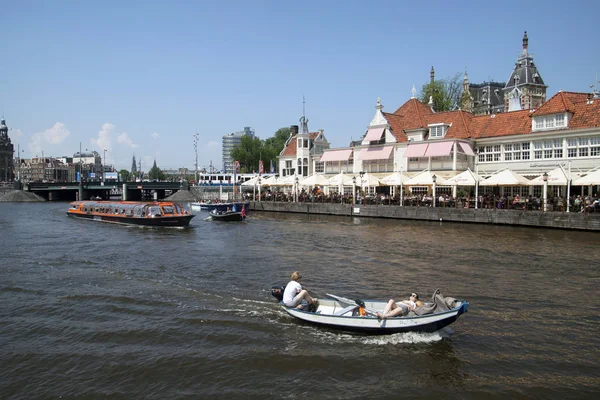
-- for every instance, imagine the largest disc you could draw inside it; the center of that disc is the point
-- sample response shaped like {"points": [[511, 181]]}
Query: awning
{"points": [[374, 134], [466, 148], [415, 150], [439, 149], [379, 153], [336, 155]]}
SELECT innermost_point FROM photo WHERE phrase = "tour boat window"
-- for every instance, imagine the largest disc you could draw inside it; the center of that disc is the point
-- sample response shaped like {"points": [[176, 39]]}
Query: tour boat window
{"points": [[167, 210]]}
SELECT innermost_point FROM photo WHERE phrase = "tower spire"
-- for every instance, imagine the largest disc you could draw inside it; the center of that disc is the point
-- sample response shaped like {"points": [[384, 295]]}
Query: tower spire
{"points": [[525, 43]]}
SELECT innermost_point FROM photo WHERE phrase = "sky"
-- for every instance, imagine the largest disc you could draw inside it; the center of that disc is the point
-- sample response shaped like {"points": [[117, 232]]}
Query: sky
{"points": [[142, 77]]}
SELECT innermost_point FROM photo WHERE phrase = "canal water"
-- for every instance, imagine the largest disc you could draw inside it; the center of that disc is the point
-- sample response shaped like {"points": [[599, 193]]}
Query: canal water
{"points": [[92, 310]]}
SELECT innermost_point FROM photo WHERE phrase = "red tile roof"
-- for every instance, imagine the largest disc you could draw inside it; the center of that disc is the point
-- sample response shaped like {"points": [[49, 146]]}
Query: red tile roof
{"points": [[503, 124], [561, 102], [415, 115]]}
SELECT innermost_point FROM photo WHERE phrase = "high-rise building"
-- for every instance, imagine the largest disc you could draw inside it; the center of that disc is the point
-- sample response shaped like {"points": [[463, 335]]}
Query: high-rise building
{"points": [[230, 141]]}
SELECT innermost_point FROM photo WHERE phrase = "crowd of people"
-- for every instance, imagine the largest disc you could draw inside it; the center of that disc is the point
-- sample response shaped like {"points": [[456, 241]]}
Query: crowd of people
{"points": [[577, 203]]}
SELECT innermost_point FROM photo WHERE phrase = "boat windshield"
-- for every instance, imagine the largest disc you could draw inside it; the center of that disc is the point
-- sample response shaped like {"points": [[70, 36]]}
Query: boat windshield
{"points": [[154, 211], [167, 210]]}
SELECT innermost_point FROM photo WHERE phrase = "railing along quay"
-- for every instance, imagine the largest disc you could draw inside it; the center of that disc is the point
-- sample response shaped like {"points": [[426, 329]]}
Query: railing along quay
{"points": [[538, 219]]}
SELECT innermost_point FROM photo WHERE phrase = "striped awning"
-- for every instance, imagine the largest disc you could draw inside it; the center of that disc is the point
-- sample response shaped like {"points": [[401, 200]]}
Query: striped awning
{"points": [[336, 155], [379, 153]]}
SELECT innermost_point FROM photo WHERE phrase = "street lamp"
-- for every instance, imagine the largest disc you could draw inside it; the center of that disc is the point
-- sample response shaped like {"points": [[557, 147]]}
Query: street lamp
{"points": [[104, 167], [545, 178], [259, 182], [362, 188], [296, 191], [476, 178], [354, 189], [433, 178], [569, 187], [254, 192]]}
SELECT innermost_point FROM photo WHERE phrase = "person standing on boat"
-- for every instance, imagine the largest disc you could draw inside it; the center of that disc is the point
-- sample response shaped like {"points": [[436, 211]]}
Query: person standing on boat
{"points": [[294, 295], [401, 308]]}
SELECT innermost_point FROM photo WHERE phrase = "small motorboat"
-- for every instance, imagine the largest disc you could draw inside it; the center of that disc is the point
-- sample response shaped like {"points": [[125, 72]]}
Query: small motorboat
{"points": [[216, 215], [361, 315]]}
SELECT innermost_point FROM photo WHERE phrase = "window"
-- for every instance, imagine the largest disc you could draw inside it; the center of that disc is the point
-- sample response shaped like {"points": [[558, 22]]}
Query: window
{"points": [[546, 149], [549, 122], [583, 147], [437, 131], [489, 153]]}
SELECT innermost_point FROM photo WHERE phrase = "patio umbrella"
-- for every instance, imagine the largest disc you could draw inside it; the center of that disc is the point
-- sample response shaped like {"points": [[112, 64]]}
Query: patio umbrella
{"points": [[591, 178], [395, 179], [370, 180], [505, 177], [425, 178], [465, 178], [556, 177], [316, 179], [251, 182], [271, 181]]}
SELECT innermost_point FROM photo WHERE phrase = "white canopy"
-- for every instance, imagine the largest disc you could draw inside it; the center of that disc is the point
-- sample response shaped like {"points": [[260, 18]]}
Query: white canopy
{"points": [[505, 177], [465, 178], [425, 178], [395, 179], [272, 181], [592, 178], [556, 177], [316, 179], [285, 181], [340, 179], [251, 182], [368, 180]]}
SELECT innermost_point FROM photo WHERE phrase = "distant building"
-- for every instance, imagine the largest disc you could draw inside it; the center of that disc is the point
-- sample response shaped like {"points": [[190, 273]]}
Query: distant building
{"points": [[6, 154], [524, 90], [230, 141]]}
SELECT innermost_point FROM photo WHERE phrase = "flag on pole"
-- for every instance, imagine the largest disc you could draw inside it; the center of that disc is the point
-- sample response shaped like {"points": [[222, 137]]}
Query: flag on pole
{"points": [[237, 167], [261, 167], [272, 167]]}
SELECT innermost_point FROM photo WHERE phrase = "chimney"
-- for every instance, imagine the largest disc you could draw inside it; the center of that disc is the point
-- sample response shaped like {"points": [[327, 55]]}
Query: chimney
{"points": [[294, 130]]}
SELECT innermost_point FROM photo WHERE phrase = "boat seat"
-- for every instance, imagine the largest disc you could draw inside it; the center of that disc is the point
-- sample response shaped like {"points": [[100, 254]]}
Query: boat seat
{"points": [[345, 310]]}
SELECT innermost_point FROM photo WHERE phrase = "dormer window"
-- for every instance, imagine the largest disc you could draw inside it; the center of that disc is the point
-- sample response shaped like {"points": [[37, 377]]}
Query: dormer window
{"points": [[437, 131], [550, 122]]}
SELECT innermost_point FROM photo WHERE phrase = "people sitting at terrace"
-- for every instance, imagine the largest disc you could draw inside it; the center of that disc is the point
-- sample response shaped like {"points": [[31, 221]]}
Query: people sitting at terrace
{"points": [[401, 308]]}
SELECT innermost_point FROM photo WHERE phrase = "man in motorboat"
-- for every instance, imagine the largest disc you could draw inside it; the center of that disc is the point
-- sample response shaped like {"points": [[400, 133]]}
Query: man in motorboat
{"points": [[401, 308], [295, 296]]}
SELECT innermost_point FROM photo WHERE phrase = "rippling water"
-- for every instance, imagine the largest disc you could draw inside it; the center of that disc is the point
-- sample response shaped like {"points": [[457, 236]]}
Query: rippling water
{"points": [[94, 310]]}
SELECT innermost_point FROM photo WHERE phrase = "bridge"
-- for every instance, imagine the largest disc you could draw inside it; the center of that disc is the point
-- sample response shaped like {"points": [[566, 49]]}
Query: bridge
{"points": [[69, 191]]}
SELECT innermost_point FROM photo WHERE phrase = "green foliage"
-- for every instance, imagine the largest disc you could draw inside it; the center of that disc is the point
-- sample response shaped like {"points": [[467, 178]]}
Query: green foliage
{"points": [[252, 149], [446, 93], [156, 173], [124, 175]]}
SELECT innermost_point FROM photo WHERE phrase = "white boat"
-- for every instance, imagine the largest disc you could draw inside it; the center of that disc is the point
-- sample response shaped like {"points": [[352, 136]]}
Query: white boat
{"points": [[342, 313]]}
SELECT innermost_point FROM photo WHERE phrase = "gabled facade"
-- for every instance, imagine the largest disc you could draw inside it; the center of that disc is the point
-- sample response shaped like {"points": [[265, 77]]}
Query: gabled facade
{"points": [[302, 151]]}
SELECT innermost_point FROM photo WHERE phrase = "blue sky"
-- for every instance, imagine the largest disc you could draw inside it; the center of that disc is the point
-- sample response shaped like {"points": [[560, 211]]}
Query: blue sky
{"points": [[141, 77]]}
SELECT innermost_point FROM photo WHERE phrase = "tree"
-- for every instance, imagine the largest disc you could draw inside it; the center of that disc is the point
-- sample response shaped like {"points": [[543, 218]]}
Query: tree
{"points": [[252, 149], [446, 93], [124, 174], [156, 173]]}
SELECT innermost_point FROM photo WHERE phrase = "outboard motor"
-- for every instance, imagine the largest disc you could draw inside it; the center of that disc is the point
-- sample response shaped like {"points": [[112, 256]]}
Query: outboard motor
{"points": [[277, 292]]}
